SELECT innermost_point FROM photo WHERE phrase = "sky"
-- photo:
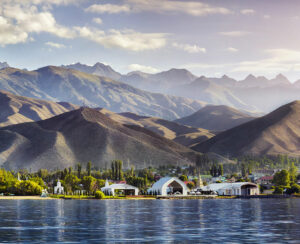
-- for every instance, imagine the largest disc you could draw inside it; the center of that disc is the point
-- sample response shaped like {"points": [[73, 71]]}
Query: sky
{"points": [[211, 38]]}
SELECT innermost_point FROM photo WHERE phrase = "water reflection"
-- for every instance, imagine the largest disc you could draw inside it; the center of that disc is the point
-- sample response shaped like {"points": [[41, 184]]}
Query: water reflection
{"points": [[223, 220]]}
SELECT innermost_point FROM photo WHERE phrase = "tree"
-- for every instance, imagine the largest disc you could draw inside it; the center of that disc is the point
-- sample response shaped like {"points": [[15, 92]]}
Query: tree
{"points": [[243, 170], [99, 195], [295, 188], [190, 185], [220, 170], [278, 190], [183, 178], [89, 168], [27, 187], [39, 181], [282, 178], [71, 182], [116, 168], [89, 184], [293, 170], [79, 170]]}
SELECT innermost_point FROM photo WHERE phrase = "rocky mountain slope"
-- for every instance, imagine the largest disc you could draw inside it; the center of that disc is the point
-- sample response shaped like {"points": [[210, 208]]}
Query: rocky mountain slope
{"points": [[182, 134], [17, 109], [275, 133], [62, 84], [86, 135], [216, 118]]}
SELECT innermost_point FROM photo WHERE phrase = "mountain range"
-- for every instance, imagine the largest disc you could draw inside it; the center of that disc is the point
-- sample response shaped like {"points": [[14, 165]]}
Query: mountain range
{"points": [[216, 118], [79, 88], [18, 109], [84, 135], [275, 133], [253, 93]]}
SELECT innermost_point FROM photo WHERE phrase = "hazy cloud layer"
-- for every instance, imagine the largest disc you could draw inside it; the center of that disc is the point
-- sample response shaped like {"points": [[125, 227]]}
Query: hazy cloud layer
{"points": [[194, 8]]}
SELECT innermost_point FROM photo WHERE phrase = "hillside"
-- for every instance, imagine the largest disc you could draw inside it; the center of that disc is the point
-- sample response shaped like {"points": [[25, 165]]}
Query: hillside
{"points": [[275, 133], [216, 118], [185, 135], [97, 69], [62, 84], [86, 135], [17, 109]]}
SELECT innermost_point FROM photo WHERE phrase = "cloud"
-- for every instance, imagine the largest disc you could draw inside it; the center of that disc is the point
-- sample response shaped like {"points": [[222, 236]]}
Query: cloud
{"points": [[247, 11], [266, 16], [277, 60], [189, 48], [143, 68], [108, 8], [160, 6], [18, 22], [234, 33], [124, 39], [55, 45], [97, 21], [232, 49], [11, 34]]}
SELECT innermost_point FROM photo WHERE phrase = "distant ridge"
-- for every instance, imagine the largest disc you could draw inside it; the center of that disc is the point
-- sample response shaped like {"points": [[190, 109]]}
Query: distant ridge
{"points": [[79, 88], [216, 118], [86, 135], [275, 133]]}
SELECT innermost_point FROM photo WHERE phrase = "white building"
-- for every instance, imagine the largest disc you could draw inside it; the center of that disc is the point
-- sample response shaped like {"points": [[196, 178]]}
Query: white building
{"points": [[58, 189], [168, 185], [125, 188], [233, 189]]}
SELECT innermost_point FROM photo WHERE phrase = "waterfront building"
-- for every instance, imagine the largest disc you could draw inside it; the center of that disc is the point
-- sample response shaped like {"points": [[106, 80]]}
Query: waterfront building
{"points": [[58, 189], [123, 188], [233, 189], [168, 186]]}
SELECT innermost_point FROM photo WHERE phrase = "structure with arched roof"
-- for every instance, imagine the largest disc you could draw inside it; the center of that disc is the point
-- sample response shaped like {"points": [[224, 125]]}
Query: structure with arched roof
{"points": [[168, 186], [233, 189]]}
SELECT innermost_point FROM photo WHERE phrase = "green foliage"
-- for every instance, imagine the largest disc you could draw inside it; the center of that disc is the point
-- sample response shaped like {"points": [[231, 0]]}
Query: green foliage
{"points": [[295, 188], [7, 181], [278, 190], [27, 187], [293, 170], [282, 178], [190, 185], [39, 181], [183, 178], [136, 181], [89, 184], [89, 168], [99, 195], [71, 183], [116, 170], [79, 170]]}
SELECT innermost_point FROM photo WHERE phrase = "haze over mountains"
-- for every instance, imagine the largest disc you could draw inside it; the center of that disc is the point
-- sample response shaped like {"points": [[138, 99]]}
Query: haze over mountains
{"points": [[86, 135], [68, 85], [17, 109], [217, 118], [253, 93], [275, 133]]}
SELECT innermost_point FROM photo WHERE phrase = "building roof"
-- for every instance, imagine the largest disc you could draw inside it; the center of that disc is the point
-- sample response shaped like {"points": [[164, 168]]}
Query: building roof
{"points": [[119, 187], [218, 186], [267, 177], [166, 180]]}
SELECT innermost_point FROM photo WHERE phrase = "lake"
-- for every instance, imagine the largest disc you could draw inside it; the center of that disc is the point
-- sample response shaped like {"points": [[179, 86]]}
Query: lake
{"points": [[208, 221]]}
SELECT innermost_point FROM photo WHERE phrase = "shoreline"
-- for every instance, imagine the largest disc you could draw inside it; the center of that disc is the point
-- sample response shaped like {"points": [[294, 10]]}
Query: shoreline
{"points": [[152, 198]]}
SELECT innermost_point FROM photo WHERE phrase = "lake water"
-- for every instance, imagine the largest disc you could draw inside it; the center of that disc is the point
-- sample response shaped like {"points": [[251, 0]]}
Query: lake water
{"points": [[206, 221]]}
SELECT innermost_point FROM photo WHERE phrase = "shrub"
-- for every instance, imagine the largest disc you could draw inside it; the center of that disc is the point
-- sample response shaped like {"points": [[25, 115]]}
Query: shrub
{"points": [[293, 189], [99, 195], [278, 190], [27, 187]]}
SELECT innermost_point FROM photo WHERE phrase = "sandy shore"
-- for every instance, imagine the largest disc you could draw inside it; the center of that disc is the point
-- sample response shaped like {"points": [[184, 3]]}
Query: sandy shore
{"points": [[25, 198]]}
